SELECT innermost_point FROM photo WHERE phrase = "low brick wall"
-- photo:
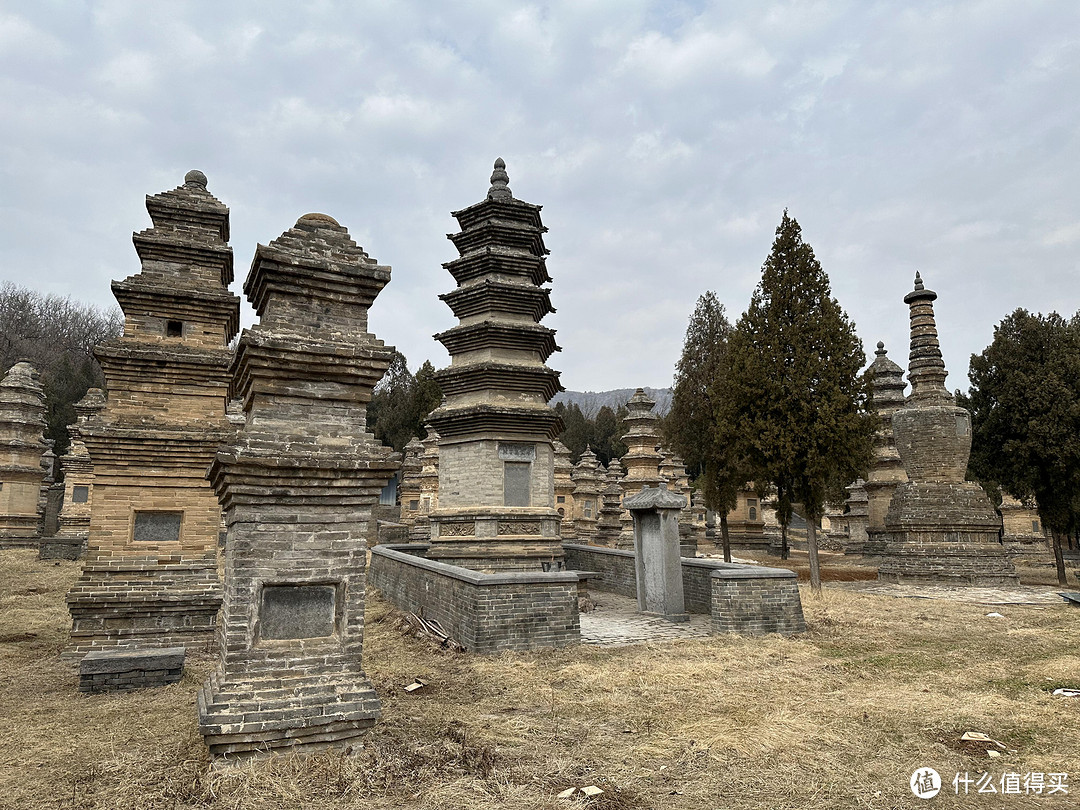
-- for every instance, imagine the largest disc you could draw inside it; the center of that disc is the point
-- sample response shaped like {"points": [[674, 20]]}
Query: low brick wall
{"points": [[615, 567], [485, 613], [752, 600], [748, 599], [121, 669]]}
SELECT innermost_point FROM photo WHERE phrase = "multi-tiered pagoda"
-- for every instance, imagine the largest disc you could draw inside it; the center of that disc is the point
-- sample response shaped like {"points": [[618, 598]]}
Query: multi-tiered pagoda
{"points": [[939, 527], [150, 576], [22, 445], [642, 461], [496, 460], [297, 486]]}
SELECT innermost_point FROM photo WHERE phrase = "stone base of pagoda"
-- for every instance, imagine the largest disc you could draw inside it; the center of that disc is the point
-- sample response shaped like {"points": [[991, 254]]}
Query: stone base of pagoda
{"points": [[114, 615], [63, 547], [946, 562], [941, 533], [32, 540], [494, 539], [283, 710]]}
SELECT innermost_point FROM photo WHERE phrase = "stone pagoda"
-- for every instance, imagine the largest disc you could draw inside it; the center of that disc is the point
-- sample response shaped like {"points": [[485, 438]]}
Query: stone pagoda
{"points": [[150, 577], [886, 468], [939, 527], [496, 431], [298, 485], [609, 526], [78, 470], [22, 427], [409, 484], [564, 489], [856, 516], [588, 478], [641, 460], [429, 486]]}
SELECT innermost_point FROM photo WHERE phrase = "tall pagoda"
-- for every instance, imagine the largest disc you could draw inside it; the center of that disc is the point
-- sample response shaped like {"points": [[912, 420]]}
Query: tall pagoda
{"points": [[939, 527], [150, 576], [496, 508]]}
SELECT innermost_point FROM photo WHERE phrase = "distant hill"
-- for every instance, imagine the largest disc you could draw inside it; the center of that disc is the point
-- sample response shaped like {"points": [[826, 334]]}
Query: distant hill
{"points": [[591, 402]]}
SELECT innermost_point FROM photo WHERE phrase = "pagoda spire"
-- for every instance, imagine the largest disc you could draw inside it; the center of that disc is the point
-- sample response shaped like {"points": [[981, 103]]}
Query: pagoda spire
{"points": [[926, 368]]}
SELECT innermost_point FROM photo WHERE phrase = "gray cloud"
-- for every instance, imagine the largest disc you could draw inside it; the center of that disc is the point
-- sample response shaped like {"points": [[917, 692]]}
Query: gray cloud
{"points": [[663, 140]]}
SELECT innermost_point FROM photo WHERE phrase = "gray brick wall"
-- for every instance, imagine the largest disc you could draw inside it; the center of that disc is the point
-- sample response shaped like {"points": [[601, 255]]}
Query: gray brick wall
{"points": [[485, 613]]}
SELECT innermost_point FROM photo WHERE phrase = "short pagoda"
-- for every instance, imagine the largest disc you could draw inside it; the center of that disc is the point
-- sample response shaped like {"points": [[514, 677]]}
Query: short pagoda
{"points": [[496, 508], [150, 577], [939, 527]]}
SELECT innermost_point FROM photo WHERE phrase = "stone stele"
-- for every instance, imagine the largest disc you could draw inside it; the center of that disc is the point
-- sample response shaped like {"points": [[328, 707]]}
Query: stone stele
{"points": [[298, 486]]}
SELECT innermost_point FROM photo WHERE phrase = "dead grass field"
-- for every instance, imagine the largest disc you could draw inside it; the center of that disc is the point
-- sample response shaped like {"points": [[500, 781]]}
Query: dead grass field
{"points": [[836, 718]]}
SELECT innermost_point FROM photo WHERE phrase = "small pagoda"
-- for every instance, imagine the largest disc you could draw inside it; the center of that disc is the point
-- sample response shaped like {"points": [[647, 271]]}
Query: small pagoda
{"points": [[22, 426], [939, 527], [886, 468], [78, 472], [589, 479], [297, 486], [150, 577], [496, 508]]}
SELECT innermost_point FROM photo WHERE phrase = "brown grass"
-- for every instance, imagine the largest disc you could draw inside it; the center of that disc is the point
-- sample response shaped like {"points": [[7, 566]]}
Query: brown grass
{"points": [[837, 718]]}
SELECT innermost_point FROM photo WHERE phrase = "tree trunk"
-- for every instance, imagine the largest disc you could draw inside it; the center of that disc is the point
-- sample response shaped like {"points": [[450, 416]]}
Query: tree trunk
{"points": [[1059, 560], [725, 539], [811, 547], [783, 541]]}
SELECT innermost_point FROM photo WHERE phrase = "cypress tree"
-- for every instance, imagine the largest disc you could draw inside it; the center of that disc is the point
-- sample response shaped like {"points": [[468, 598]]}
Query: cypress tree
{"points": [[794, 401], [692, 424], [1025, 418]]}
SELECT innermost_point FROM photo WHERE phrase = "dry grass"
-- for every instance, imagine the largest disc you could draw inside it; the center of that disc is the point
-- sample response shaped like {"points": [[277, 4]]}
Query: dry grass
{"points": [[837, 718]]}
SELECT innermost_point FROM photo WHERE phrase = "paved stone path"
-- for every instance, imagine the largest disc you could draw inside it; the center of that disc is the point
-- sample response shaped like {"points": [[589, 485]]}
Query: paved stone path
{"points": [[1018, 595], [615, 620]]}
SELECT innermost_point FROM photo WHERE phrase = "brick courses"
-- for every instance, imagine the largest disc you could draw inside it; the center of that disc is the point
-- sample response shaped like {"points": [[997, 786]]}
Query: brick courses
{"points": [[298, 486], [167, 381], [485, 613]]}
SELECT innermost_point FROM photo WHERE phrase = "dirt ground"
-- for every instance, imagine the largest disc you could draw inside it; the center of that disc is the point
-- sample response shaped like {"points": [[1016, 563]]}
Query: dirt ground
{"points": [[839, 717]]}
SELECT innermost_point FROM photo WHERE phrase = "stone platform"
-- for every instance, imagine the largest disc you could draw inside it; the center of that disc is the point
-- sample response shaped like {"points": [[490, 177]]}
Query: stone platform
{"points": [[615, 620]]}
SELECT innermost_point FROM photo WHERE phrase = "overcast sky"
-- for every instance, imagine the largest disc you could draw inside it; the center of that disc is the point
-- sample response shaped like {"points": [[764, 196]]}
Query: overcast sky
{"points": [[663, 140]]}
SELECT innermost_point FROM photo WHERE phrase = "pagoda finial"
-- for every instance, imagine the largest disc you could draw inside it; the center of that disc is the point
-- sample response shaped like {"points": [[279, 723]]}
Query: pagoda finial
{"points": [[499, 179], [918, 280], [195, 178], [881, 352]]}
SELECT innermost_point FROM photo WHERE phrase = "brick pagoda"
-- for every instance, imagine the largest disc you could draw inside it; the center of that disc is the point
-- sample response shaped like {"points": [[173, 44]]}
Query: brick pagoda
{"points": [[496, 507], [939, 527], [78, 484], [886, 468], [641, 460], [22, 426], [150, 576], [298, 485]]}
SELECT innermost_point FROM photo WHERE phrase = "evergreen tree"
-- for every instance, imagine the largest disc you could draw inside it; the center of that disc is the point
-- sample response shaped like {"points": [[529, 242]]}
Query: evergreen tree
{"points": [[427, 395], [794, 400], [1025, 412], [692, 424]]}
